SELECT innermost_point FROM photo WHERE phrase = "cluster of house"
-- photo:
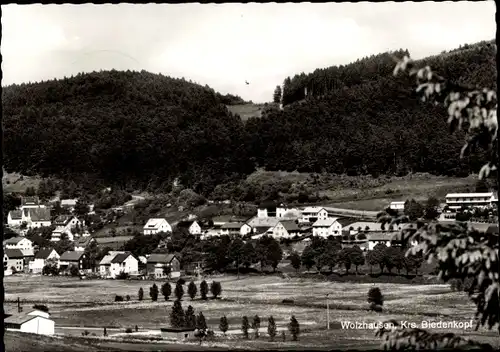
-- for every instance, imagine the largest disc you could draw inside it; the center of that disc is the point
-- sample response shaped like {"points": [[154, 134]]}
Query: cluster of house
{"points": [[279, 222], [21, 254], [33, 214]]}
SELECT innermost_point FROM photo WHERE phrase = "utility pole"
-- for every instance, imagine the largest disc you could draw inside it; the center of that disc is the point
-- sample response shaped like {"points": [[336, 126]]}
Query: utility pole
{"points": [[327, 313]]}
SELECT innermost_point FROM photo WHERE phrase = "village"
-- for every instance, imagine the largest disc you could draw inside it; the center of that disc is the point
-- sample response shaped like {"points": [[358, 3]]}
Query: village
{"points": [[25, 255]]}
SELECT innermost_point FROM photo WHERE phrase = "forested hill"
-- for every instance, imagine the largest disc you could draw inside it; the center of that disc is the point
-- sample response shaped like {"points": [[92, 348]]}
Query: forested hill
{"points": [[143, 130], [125, 128], [360, 119]]}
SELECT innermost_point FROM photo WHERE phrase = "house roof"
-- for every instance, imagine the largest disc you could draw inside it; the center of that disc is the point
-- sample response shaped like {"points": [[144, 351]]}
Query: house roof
{"points": [[83, 241], [15, 240], [16, 214], [384, 236], [106, 260], [44, 253], [324, 222], [19, 319], [312, 209], [13, 253], [71, 256], [493, 229], [161, 258], [154, 223], [232, 225], [121, 257], [290, 225], [38, 214], [263, 222], [68, 202], [30, 200], [185, 223], [465, 195], [261, 229], [63, 219], [373, 226]]}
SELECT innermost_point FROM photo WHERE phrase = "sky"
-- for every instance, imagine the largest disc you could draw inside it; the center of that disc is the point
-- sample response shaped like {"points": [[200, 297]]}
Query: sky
{"points": [[224, 45]]}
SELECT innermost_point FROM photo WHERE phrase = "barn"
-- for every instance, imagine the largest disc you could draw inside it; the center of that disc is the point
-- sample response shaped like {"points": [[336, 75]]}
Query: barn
{"points": [[34, 322], [179, 334]]}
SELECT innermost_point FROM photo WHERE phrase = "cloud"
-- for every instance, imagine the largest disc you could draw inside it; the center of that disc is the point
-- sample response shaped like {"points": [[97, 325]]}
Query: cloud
{"points": [[223, 45]]}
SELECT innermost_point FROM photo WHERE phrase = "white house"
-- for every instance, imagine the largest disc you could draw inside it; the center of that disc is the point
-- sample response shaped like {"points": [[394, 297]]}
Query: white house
{"points": [[157, 225], [284, 212], [36, 217], [327, 227], [31, 203], [13, 258], [64, 225], [397, 205], [115, 263], [288, 227], [22, 243], [311, 214], [15, 218], [41, 258], [191, 226], [83, 242], [34, 322], [235, 228], [69, 204], [480, 200]]}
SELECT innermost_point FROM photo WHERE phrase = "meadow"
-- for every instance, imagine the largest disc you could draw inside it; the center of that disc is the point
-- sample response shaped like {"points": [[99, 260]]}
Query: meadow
{"points": [[86, 303]]}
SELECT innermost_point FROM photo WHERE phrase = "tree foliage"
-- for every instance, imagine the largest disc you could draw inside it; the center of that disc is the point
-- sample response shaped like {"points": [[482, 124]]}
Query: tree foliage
{"points": [[245, 325], [153, 293], [223, 324], [190, 317], [192, 290], [166, 290], [460, 250], [177, 316], [216, 288], [203, 290]]}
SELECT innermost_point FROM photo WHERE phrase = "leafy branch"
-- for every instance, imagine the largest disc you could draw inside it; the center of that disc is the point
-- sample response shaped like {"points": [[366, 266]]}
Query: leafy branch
{"points": [[460, 251]]}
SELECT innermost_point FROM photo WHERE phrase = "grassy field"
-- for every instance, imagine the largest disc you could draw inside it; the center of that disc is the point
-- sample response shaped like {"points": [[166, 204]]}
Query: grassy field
{"points": [[75, 302], [14, 182], [246, 111]]}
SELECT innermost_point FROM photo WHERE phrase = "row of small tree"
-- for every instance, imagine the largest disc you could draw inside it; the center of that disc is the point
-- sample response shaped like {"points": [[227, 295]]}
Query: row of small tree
{"points": [[192, 290], [329, 252], [187, 319]]}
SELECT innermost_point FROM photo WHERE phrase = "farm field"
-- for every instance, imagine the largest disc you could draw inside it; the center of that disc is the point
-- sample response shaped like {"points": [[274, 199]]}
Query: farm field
{"points": [[82, 303]]}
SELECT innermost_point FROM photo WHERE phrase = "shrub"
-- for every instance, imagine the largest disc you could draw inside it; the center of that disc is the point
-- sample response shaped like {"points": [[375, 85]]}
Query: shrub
{"points": [[244, 326], [271, 328], [140, 295], [215, 288], [294, 328], [256, 325], [85, 333], [179, 291], [122, 276], [128, 330], [153, 292], [41, 307], [118, 298], [128, 297], [166, 290], [74, 271], [203, 289], [375, 296], [192, 290], [223, 325]]}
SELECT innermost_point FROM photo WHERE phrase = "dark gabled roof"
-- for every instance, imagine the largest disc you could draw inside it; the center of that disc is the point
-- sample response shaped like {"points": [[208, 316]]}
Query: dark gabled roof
{"points": [[44, 253], [19, 319], [38, 214], [261, 229], [63, 219], [120, 257], [83, 241], [71, 256], [14, 253], [161, 258], [14, 240], [232, 225], [16, 214], [493, 229], [172, 329], [290, 225], [185, 223]]}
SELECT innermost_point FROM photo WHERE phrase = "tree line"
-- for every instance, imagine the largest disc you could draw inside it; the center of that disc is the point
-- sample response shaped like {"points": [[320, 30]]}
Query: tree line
{"points": [[355, 120]]}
